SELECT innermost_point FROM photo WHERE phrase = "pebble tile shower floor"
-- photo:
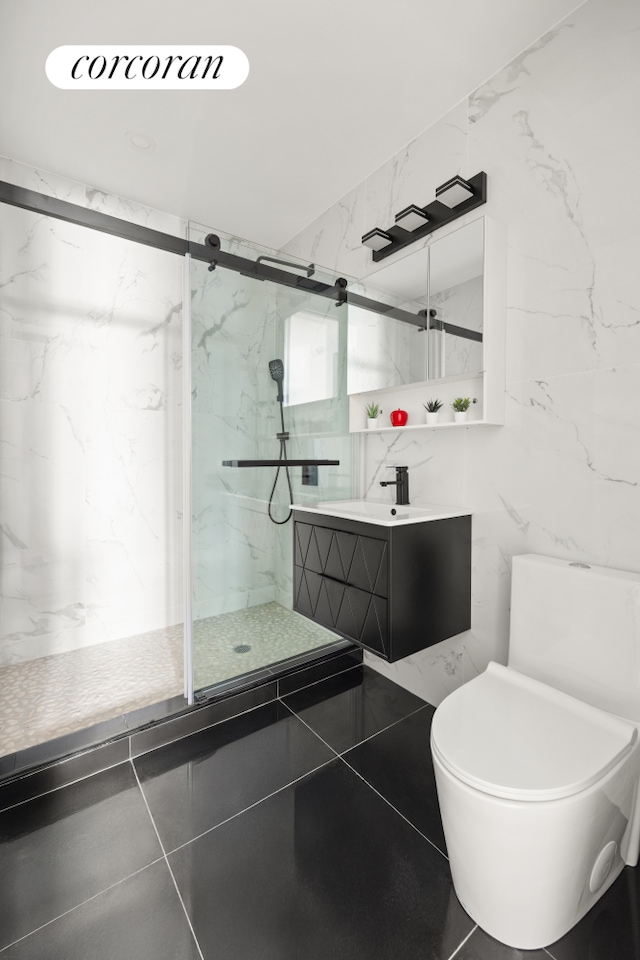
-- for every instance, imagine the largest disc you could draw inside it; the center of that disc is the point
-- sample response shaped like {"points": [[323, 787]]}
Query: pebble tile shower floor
{"points": [[57, 695], [304, 829]]}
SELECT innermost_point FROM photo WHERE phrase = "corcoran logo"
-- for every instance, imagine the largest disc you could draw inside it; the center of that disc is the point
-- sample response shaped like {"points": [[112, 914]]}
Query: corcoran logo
{"points": [[147, 68]]}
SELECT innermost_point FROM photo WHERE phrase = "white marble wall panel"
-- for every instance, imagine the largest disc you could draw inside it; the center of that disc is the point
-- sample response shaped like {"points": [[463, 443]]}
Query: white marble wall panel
{"points": [[53, 185], [334, 239], [318, 430], [233, 414], [555, 133], [90, 420]]}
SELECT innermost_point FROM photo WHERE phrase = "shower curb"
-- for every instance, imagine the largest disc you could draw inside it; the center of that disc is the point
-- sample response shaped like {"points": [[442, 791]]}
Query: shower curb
{"points": [[30, 773]]}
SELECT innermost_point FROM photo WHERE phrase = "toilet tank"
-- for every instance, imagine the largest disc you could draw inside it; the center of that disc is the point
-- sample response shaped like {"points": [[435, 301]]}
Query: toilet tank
{"points": [[577, 628]]}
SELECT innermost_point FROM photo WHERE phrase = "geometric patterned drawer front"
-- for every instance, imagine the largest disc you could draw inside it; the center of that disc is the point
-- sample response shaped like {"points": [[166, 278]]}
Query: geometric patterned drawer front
{"points": [[348, 557], [344, 580], [355, 613]]}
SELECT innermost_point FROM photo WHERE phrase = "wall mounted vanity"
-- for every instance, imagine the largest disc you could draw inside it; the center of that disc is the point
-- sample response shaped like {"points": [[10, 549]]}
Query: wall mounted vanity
{"points": [[393, 579]]}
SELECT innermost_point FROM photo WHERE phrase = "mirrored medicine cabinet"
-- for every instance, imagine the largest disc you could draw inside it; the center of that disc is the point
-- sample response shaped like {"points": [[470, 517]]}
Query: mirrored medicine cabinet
{"points": [[447, 331]]}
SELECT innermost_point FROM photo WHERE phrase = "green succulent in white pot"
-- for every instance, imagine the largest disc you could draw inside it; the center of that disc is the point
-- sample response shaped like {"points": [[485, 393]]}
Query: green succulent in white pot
{"points": [[460, 408], [432, 408], [373, 412]]}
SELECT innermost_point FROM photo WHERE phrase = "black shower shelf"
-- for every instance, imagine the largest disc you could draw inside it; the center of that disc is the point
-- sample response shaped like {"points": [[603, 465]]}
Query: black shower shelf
{"points": [[280, 463]]}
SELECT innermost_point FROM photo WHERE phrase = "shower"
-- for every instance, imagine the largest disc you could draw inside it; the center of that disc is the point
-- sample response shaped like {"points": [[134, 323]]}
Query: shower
{"points": [[276, 369]]}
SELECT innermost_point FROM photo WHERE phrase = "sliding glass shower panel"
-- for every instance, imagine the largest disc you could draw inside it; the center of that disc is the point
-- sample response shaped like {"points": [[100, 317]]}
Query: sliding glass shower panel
{"points": [[90, 487], [242, 581]]}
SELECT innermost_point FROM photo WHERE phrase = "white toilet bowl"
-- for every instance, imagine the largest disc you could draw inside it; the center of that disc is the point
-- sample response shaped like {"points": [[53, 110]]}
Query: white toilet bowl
{"points": [[537, 792]]}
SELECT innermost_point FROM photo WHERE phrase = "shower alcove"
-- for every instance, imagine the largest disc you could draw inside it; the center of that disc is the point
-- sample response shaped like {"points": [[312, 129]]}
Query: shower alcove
{"points": [[131, 371]]}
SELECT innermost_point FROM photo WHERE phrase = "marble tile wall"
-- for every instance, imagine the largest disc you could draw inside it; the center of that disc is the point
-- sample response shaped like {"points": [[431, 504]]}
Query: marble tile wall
{"points": [[233, 324], [555, 131], [318, 429], [91, 426], [241, 558]]}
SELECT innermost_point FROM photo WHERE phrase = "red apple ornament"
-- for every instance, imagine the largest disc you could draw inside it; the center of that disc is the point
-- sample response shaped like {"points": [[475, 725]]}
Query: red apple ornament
{"points": [[399, 418]]}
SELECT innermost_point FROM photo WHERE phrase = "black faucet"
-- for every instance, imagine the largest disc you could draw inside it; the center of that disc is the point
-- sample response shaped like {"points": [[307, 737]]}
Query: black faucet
{"points": [[401, 483]]}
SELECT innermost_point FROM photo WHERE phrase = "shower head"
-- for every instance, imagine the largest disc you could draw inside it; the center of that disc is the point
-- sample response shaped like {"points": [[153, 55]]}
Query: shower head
{"points": [[276, 369]]}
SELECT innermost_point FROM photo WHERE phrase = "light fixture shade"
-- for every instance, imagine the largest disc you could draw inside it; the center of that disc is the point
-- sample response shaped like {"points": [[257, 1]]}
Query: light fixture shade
{"points": [[454, 192], [411, 218], [376, 239]]}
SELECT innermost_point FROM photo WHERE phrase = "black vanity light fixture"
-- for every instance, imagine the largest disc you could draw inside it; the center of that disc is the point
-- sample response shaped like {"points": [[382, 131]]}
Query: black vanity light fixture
{"points": [[411, 218], [454, 192], [377, 239], [453, 199]]}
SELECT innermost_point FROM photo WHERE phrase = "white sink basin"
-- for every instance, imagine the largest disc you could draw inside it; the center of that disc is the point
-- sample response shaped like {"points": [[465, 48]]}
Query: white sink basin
{"points": [[384, 513]]}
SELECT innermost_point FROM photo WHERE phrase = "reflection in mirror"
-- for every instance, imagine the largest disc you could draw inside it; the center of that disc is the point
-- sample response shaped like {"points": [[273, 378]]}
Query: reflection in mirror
{"points": [[456, 278], [311, 351], [383, 352], [445, 276]]}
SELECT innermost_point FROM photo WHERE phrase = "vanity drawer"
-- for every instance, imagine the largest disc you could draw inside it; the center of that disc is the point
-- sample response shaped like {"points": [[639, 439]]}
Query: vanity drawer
{"points": [[357, 614], [351, 558]]}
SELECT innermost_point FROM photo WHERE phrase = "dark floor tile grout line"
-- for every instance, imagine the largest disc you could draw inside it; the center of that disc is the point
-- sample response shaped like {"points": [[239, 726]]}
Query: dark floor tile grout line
{"points": [[185, 736], [130, 758], [462, 942], [314, 682], [549, 954], [166, 860], [61, 786], [130, 736], [310, 729], [395, 809], [388, 727], [81, 904], [360, 742], [251, 806]]}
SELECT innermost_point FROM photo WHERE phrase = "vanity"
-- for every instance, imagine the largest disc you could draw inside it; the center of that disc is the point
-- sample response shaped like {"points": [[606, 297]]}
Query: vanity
{"points": [[393, 579]]}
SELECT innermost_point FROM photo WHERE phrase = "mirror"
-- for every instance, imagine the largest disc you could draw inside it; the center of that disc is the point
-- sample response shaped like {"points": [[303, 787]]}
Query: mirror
{"points": [[445, 279], [311, 344]]}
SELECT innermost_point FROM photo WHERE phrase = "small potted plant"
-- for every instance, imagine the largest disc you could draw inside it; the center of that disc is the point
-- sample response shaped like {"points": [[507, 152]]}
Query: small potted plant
{"points": [[373, 412], [460, 406], [432, 407]]}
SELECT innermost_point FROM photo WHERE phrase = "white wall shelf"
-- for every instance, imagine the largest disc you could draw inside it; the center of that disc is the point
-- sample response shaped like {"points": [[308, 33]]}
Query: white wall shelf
{"points": [[429, 426]]}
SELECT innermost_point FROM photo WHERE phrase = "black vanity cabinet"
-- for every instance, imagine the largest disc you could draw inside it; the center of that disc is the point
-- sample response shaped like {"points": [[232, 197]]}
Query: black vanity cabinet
{"points": [[393, 590]]}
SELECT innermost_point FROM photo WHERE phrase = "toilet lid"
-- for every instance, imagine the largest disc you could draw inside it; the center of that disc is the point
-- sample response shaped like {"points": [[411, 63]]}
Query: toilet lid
{"points": [[514, 737]]}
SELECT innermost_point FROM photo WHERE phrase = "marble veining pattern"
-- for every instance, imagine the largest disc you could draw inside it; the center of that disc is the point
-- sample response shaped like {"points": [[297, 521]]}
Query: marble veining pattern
{"points": [[242, 559], [558, 141], [90, 419]]}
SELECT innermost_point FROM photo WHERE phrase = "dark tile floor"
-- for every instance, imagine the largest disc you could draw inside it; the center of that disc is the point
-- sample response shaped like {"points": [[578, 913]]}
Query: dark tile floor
{"points": [[303, 829]]}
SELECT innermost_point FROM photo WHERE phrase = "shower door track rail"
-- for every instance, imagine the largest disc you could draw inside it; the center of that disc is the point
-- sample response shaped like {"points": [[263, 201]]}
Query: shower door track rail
{"points": [[94, 220], [104, 223]]}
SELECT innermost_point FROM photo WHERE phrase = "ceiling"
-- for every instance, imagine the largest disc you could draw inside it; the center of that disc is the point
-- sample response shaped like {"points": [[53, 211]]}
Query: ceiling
{"points": [[335, 89]]}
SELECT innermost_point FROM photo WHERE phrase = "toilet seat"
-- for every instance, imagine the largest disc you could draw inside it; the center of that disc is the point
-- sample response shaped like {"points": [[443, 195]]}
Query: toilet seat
{"points": [[513, 737]]}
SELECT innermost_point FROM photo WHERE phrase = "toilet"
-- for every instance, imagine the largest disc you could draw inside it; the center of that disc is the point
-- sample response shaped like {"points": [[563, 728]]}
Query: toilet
{"points": [[537, 764]]}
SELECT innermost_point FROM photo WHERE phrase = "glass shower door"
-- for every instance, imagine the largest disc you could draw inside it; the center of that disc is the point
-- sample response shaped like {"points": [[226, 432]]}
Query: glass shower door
{"points": [[242, 560]]}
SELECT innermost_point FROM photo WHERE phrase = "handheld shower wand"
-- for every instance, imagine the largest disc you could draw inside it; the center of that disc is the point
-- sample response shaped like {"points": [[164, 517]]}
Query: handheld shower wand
{"points": [[276, 369]]}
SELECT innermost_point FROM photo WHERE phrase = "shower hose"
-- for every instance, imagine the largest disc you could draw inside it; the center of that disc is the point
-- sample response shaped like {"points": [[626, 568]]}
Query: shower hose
{"points": [[282, 456]]}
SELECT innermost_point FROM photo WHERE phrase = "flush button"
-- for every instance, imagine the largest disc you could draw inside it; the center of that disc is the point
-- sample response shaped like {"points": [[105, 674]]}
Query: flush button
{"points": [[602, 866]]}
